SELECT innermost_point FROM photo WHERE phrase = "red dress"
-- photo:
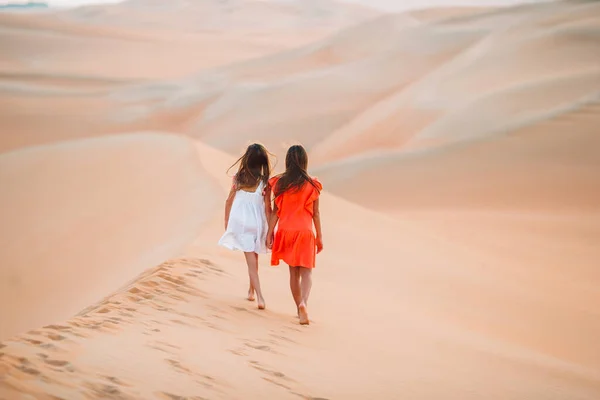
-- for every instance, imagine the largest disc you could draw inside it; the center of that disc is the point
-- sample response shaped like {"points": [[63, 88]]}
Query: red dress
{"points": [[294, 240]]}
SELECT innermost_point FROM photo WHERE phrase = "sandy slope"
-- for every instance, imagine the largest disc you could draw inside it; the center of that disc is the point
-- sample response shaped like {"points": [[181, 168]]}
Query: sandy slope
{"points": [[550, 166], [81, 217], [458, 148], [429, 324]]}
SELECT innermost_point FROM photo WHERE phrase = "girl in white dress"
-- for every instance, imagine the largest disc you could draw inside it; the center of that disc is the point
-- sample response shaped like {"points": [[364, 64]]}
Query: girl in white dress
{"points": [[247, 210]]}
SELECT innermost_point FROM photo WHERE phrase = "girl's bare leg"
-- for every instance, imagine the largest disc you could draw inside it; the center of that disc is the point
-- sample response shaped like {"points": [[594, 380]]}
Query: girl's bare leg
{"points": [[251, 288], [295, 285], [305, 283], [305, 286], [252, 261]]}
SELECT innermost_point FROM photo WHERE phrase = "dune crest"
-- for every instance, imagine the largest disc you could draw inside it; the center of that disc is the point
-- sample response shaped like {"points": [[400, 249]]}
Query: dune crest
{"points": [[93, 213]]}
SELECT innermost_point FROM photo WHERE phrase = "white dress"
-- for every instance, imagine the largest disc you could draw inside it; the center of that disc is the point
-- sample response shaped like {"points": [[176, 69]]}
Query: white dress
{"points": [[247, 225]]}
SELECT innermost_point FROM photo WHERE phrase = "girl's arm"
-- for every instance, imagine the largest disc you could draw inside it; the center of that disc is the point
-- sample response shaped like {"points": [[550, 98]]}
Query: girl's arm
{"points": [[272, 222], [228, 203], [317, 222], [268, 208]]}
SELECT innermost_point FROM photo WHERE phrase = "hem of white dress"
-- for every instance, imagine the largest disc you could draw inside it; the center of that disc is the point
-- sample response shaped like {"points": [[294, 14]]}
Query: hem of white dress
{"points": [[238, 248]]}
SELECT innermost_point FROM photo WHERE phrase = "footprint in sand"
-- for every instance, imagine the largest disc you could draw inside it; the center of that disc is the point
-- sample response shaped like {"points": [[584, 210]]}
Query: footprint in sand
{"points": [[261, 347], [56, 337], [106, 391], [204, 380], [170, 396], [274, 382], [238, 352], [164, 347], [24, 365], [56, 363], [32, 341], [115, 381], [276, 374], [177, 366], [309, 397], [274, 377], [280, 336]]}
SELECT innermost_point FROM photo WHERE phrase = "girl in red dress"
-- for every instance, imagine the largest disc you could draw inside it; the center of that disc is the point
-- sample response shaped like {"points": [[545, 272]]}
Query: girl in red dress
{"points": [[296, 208]]}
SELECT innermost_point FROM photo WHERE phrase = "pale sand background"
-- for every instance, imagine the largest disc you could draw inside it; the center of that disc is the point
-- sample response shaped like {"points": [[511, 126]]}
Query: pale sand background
{"points": [[459, 150]]}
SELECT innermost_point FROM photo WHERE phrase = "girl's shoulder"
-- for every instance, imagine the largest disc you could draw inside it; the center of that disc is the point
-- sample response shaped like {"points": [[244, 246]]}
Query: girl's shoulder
{"points": [[314, 189], [317, 182], [273, 180]]}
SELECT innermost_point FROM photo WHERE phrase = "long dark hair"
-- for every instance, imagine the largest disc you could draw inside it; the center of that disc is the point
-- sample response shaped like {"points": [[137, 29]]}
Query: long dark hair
{"points": [[254, 167], [295, 175]]}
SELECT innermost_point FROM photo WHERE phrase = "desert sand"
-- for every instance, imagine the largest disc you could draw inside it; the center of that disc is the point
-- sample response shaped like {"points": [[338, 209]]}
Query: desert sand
{"points": [[459, 152]]}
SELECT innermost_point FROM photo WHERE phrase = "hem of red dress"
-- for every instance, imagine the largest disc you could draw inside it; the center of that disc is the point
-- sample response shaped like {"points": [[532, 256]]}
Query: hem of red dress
{"points": [[277, 262]]}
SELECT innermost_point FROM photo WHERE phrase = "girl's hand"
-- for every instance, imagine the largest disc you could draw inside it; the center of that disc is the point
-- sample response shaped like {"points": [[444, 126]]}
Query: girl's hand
{"points": [[270, 240], [319, 243]]}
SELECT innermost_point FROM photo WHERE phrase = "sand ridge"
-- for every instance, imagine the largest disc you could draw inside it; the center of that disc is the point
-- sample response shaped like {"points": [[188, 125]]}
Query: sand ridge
{"points": [[85, 183]]}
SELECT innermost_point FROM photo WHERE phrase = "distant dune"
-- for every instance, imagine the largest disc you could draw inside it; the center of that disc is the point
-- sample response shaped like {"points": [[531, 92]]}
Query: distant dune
{"points": [[458, 147], [22, 6]]}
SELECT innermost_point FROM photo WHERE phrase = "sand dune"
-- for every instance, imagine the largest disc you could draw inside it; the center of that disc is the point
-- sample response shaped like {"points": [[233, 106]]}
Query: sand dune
{"points": [[80, 218], [440, 56], [84, 56], [458, 93], [247, 16], [308, 106], [141, 40], [202, 339], [117, 53], [423, 69], [549, 165], [458, 147], [431, 6]]}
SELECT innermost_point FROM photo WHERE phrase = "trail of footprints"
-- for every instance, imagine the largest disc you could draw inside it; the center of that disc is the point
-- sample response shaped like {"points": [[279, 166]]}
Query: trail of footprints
{"points": [[160, 289], [37, 357], [23, 372], [277, 339], [173, 358]]}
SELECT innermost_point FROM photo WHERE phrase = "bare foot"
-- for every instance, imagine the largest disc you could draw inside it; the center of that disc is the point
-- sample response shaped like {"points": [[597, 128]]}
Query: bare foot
{"points": [[250, 294], [261, 304], [303, 314]]}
